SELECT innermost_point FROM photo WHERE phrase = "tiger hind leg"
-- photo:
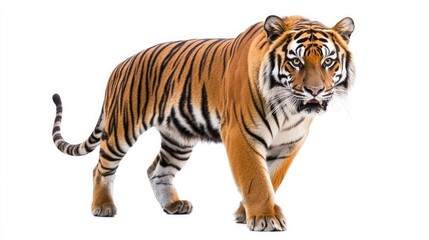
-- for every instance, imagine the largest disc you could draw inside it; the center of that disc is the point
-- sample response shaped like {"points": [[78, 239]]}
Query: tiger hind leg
{"points": [[174, 153], [112, 150]]}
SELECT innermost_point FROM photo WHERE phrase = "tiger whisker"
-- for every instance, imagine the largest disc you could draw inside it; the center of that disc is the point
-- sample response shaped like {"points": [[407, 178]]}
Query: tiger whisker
{"points": [[279, 102]]}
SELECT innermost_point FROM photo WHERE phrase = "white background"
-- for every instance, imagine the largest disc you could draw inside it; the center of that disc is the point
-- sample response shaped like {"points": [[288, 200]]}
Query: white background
{"points": [[362, 174]]}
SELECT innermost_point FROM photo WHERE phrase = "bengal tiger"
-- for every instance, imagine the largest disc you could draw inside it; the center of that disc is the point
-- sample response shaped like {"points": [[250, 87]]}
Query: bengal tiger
{"points": [[257, 93]]}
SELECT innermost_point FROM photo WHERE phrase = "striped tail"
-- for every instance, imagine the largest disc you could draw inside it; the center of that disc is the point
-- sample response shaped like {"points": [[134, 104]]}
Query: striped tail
{"points": [[74, 149]]}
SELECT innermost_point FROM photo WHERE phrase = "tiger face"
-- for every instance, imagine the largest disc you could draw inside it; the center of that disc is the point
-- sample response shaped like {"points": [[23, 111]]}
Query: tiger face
{"points": [[307, 65]]}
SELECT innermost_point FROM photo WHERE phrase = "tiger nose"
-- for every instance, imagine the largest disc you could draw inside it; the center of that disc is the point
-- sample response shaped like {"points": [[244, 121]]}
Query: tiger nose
{"points": [[314, 90]]}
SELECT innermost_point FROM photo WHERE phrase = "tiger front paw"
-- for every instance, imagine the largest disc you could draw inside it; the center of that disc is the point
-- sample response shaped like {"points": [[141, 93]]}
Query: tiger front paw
{"points": [[240, 214], [178, 207], [267, 222], [104, 210]]}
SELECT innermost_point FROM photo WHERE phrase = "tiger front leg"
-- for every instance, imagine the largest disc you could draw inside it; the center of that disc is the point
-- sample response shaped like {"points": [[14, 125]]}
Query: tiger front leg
{"points": [[277, 168], [246, 156]]}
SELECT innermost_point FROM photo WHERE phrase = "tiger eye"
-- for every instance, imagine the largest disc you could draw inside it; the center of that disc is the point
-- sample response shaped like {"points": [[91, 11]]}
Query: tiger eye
{"points": [[296, 62], [328, 62]]}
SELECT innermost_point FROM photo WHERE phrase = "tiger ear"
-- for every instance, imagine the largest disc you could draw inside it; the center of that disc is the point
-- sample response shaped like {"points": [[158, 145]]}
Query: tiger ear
{"points": [[274, 27], [345, 28]]}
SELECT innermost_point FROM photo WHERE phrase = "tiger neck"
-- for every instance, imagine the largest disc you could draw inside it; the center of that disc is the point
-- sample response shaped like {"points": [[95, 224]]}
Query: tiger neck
{"points": [[243, 93]]}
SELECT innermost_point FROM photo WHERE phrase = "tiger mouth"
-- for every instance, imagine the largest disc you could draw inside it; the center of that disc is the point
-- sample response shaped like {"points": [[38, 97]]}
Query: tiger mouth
{"points": [[312, 105]]}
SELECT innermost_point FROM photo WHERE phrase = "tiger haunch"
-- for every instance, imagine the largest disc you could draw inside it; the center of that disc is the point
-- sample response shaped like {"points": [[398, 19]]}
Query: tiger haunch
{"points": [[257, 93]]}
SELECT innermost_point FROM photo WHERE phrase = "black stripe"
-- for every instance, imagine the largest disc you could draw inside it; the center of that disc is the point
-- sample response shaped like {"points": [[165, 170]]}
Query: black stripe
{"points": [[135, 105], [324, 35], [273, 82], [114, 151], [186, 108], [294, 125], [56, 129], [164, 99], [241, 130], [108, 157], [140, 99], [178, 151], [106, 168], [206, 114], [252, 134], [152, 62], [162, 176], [173, 141], [175, 49], [127, 125], [58, 118], [184, 58], [152, 76], [57, 137], [163, 183], [219, 44], [161, 105], [259, 107], [106, 174], [164, 163], [276, 157], [118, 143], [226, 57], [302, 40], [173, 154], [205, 55], [298, 35], [254, 30], [87, 147], [246, 34], [93, 139], [182, 130], [288, 143]]}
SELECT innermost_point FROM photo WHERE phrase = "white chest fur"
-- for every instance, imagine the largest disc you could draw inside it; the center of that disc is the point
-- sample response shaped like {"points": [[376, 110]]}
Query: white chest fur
{"points": [[294, 129], [290, 136]]}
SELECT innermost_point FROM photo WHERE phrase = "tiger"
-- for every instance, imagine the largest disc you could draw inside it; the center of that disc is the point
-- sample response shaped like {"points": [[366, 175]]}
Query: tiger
{"points": [[257, 94]]}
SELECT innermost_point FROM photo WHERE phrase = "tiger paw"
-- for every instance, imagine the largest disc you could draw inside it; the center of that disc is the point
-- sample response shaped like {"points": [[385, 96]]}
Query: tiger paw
{"points": [[178, 207], [240, 214], [104, 210], [267, 222]]}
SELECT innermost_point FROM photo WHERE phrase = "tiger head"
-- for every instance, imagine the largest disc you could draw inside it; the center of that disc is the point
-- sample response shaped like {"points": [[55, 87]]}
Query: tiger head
{"points": [[307, 64]]}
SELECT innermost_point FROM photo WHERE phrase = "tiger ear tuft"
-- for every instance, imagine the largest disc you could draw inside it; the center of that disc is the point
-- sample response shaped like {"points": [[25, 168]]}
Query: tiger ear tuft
{"points": [[274, 27], [345, 28]]}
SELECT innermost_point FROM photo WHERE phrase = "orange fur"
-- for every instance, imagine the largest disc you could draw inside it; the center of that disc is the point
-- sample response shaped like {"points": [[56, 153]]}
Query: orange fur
{"points": [[257, 93]]}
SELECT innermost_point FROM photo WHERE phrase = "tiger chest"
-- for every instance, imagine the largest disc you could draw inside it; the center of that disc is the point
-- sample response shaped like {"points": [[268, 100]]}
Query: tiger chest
{"points": [[290, 136]]}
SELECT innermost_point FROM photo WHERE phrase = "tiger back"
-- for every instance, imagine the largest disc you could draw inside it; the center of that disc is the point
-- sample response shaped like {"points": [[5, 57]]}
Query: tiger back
{"points": [[257, 93]]}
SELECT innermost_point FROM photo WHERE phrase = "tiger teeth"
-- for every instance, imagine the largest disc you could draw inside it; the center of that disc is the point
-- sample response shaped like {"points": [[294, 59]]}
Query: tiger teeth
{"points": [[318, 101]]}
